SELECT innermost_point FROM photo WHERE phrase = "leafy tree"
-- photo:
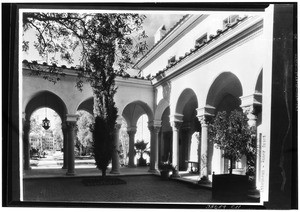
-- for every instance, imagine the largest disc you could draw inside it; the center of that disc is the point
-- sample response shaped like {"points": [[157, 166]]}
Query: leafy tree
{"points": [[106, 44], [84, 135], [233, 135]]}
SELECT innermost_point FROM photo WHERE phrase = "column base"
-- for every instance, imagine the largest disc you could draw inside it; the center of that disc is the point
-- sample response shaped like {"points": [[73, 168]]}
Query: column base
{"points": [[175, 174], [27, 168], [204, 180], [71, 173], [154, 171], [114, 172]]}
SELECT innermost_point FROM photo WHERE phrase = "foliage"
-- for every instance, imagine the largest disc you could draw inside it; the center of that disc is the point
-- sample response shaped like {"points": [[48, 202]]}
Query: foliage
{"points": [[84, 135], [141, 148], [233, 135], [166, 166], [102, 147], [105, 44], [104, 37]]}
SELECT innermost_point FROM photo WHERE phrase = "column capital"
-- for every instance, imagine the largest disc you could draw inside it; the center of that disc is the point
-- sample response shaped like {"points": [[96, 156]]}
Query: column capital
{"points": [[154, 125], [176, 117], [206, 111], [117, 126], [186, 126], [252, 99], [131, 129], [71, 118], [252, 109], [203, 120], [176, 125], [64, 125]]}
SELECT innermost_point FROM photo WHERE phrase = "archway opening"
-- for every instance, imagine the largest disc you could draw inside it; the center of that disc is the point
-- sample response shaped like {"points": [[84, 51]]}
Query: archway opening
{"points": [[137, 115], [83, 146], [142, 135], [188, 150], [46, 146], [224, 95]]}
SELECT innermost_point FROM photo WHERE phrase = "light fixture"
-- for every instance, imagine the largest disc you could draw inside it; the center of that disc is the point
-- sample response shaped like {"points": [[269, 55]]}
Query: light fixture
{"points": [[46, 122]]}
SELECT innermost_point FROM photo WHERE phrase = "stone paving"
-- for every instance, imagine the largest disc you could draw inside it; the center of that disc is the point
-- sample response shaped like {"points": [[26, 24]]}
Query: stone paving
{"points": [[146, 189]]}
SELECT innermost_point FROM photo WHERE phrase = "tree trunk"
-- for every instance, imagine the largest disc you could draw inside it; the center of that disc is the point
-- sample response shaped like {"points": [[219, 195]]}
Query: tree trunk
{"points": [[231, 165], [103, 173]]}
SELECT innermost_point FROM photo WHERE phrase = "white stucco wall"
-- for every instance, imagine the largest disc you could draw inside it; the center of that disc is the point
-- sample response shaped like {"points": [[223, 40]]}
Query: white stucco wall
{"points": [[129, 90], [209, 25]]}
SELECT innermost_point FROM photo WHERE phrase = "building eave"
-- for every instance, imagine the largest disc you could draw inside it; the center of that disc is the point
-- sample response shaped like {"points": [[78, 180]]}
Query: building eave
{"points": [[217, 43]]}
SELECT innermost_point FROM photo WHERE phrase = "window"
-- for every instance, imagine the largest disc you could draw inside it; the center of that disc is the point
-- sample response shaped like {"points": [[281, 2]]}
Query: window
{"points": [[229, 20], [172, 60], [202, 39]]}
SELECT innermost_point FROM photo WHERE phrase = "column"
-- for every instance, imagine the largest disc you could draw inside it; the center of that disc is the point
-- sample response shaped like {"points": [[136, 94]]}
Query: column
{"points": [[131, 132], [187, 141], [71, 124], [65, 145], [251, 111], [26, 143], [175, 145], [203, 149], [115, 156], [154, 130]]}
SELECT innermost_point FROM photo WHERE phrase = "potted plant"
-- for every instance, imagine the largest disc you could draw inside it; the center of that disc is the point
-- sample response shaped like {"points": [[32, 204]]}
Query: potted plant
{"points": [[232, 134], [165, 169], [141, 148]]}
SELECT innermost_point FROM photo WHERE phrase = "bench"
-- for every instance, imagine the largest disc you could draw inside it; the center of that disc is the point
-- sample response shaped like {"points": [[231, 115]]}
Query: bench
{"points": [[194, 166]]}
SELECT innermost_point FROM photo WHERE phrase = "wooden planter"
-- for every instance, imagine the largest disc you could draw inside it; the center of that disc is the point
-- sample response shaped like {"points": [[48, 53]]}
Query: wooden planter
{"points": [[230, 187]]}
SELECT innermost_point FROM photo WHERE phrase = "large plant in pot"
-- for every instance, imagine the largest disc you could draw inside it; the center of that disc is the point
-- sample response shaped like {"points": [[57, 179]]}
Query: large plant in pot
{"points": [[232, 134], [141, 149]]}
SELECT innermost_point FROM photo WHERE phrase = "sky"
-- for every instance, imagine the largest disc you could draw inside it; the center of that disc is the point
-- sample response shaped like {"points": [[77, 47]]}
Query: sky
{"points": [[151, 24]]}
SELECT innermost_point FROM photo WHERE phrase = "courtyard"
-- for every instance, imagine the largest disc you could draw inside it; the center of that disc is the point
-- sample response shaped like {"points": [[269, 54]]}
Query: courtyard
{"points": [[138, 189]]}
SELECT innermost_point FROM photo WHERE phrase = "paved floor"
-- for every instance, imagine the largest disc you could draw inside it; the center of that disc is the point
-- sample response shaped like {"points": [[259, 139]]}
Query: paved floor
{"points": [[146, 189]]}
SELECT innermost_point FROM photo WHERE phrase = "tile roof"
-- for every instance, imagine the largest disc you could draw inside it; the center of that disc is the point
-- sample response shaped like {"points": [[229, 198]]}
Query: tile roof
{"points": [[198, 47]]}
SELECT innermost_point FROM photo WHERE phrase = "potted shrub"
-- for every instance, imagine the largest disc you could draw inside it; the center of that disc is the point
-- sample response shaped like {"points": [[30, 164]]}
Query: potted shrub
{"points": [[166, 169], [232, 134], [141, 148]]}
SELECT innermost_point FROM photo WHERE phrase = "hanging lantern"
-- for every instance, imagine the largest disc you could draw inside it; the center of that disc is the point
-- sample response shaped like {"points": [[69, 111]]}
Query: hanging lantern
{"points": [[46, 123]]}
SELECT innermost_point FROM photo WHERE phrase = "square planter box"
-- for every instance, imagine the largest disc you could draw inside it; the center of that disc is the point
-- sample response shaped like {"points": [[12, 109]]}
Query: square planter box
{"points": [[230, 187]]}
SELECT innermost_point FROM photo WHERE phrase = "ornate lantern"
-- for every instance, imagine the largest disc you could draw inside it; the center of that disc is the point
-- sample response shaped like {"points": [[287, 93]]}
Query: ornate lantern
{"points": [[46, 123]]}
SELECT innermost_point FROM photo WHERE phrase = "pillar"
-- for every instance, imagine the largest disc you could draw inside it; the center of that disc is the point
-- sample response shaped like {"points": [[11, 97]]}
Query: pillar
{"points": [[26, 143], [203, 114], [203, 150], [65, 145], [131, 132], [71, 124], [154, 128], [175, 145], [251, 111], [115, 156]]}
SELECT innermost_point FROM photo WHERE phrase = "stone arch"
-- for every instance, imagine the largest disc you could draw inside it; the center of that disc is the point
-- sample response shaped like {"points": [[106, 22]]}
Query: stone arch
{"points": [[134, 110], [258, 85], [161, 107], [87, 105], [186, 106], [223, 95], [225, 86], [186, 96], [46, 99]]}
